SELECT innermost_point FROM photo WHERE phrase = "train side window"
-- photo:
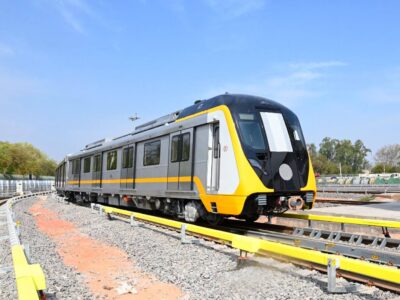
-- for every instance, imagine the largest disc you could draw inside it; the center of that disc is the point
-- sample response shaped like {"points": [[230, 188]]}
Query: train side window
{"points": [[96, 163], [127, 158], [112, 160], [180, 147], [130, 157], [185, 147], [75, 166], [175, 148], [86, 165], [152, 152], [216, 142]]}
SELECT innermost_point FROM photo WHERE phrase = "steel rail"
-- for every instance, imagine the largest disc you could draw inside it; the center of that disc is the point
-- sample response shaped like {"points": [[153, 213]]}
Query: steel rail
{"points": [[359, 188], [348, 201], [327, 241], [380, 275], [378, 249], [343, 220]]}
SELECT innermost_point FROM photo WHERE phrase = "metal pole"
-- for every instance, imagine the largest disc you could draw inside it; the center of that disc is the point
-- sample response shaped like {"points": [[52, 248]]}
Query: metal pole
{"points": [[183, 233], [133, 222], [332, 275]]}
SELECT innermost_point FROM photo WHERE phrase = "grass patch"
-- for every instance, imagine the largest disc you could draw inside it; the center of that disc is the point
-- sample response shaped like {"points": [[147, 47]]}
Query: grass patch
{"points": [[366, 198]]}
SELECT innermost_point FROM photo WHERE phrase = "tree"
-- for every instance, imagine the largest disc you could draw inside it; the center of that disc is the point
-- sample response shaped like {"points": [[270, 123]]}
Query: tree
{"points": [[333, 153], [5, 157], [312, 150], [24, 159], [328, 147], [381, 168], [388, 158], [360, 154], [324, 166]]}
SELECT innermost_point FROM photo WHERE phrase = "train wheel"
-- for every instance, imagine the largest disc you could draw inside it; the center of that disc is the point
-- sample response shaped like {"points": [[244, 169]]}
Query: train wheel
{"points": [[214, 219], [192, 211]]}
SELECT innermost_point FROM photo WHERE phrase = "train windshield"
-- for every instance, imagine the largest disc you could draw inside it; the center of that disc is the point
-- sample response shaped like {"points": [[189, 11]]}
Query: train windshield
{"points": [[280, 134], [295, 133], [251, 132]]}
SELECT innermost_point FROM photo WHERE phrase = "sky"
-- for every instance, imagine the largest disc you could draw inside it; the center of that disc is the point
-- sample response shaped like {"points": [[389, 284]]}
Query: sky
{"points": [[73, 71]]}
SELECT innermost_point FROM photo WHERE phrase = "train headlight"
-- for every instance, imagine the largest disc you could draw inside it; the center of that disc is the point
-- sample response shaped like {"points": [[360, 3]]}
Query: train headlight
{"points": [[285, 171]]}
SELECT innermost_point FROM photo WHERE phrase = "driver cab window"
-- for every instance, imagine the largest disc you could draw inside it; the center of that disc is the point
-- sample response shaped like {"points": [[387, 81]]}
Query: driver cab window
{"points": [[251, 131]]}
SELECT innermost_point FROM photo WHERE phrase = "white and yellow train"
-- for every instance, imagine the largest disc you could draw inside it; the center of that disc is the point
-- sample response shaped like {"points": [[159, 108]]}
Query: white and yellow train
{"points": [[231, 155]]}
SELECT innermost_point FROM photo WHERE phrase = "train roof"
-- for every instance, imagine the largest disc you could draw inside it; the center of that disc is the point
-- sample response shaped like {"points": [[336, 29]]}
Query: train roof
{"points": [[233, 101]]}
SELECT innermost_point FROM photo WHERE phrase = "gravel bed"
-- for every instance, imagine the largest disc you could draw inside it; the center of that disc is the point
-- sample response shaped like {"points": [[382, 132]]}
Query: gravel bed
{"points": [[208, 270], [62, 281], [7, 281]]}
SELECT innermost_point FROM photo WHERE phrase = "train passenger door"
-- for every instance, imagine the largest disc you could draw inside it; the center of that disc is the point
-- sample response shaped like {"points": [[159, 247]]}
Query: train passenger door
{"points": [[63, 175], [185, 165], [110, 172], [96, 170], [173, 165], [127, 167], [215, 158], [180, 161], [75, 171]]}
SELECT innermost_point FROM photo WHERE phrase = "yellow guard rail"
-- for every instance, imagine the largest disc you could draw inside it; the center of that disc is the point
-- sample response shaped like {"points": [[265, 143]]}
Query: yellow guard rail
{"points": [[251, 244], [344, 220], [29, 278]]}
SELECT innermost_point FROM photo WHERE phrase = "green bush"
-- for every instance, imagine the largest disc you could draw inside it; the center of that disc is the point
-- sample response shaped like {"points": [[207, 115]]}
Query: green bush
{"points": [[24, 159]]}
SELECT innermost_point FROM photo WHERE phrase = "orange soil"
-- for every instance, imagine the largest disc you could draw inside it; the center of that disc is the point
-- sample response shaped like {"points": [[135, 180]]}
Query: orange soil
{"points": [[101, 264]]}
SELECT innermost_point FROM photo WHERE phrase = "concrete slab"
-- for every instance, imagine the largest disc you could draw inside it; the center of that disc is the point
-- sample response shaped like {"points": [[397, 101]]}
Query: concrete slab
{"points": [[390, 211]]}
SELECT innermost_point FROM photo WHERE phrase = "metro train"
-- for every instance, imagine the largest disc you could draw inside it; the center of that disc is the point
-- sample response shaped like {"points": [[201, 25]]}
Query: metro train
{"points": [[231, 155]]}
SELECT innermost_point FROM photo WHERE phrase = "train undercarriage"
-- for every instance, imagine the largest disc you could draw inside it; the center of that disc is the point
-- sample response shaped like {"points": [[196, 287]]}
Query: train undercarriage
{"points": [[193, 210]]}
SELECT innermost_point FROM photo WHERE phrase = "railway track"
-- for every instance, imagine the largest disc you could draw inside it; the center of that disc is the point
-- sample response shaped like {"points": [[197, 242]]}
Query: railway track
{"points": [[376, 249], [347, 201], [368, 259], [359, 188]]}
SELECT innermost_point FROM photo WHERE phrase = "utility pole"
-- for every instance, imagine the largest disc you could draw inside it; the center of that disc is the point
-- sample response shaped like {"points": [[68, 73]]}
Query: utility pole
{"points": [[340, 169]]}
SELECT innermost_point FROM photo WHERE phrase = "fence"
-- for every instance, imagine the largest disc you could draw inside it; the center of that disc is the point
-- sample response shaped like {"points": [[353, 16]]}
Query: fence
{"points": [[11, 188]]}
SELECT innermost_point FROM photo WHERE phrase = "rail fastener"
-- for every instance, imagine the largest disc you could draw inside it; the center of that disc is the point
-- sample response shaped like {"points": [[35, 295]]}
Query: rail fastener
{"points": [[359, 270]]}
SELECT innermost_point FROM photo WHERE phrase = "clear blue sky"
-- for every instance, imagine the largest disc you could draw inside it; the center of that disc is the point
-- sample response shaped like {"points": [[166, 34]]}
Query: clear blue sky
{"points": [[73, 71]]}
